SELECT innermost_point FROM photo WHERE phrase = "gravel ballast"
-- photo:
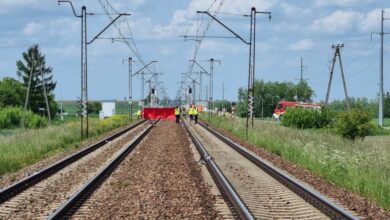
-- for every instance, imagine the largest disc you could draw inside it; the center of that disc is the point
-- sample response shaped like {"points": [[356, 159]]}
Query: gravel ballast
{"points": [[359, 205], [159, 180]]}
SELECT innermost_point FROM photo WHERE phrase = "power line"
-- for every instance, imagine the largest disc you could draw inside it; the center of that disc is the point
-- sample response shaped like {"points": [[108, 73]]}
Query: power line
{"points": [[337, 53]]}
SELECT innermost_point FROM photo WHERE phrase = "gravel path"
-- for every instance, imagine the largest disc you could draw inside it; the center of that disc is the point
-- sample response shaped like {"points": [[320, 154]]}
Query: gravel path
{"points": [[159, 180]]}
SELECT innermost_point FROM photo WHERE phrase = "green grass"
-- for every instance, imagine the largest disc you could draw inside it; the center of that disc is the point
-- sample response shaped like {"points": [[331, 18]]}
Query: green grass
{"points": [[25, 147], [8, 132], [361, 166], [386, 122]]}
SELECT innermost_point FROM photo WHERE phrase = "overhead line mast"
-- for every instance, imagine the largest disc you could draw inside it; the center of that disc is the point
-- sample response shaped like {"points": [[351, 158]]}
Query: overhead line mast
{"points": [[381, 98], [252, 58]]}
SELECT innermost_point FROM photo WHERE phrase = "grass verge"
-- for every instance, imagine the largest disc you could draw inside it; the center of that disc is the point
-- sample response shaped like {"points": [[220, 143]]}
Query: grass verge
{"points": [[360, 166], [29, 146]]}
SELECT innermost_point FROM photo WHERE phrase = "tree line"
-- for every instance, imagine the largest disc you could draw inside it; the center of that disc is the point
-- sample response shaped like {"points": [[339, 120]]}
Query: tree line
{"points": [[32, 74], [268, 94]]}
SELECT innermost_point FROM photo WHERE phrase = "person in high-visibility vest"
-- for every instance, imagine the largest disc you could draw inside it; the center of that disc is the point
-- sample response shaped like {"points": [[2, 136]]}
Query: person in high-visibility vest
{"points": [[191, 113], [139, 114], [177, 114], [196, 113]]}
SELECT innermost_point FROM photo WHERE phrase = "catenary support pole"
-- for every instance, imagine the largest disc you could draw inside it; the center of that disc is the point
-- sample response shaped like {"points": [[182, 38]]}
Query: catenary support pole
{"points": [[130, 89]]}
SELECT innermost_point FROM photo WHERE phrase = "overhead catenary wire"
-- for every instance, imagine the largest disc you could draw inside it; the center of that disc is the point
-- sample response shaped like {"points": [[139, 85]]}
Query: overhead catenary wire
{"points": [[110, 11], [201, 32]]}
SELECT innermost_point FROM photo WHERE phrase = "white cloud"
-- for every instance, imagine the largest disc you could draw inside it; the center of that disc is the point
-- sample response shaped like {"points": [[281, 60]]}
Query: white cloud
{"points": [[291, 10], [32, 28], [15, 3], [304, 44], [182, 21], [338, 22], [213, 45], [244, 6], [70, 50], [7, 5], [286, 27], [127, 4], [371, 20], [167, 51], [321, 3], [343, 20], [64, 26]]}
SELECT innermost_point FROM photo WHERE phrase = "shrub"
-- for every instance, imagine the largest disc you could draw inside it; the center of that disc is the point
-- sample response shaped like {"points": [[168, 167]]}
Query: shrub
{"points": [[306, 118], [11, 117], [355, 123]]}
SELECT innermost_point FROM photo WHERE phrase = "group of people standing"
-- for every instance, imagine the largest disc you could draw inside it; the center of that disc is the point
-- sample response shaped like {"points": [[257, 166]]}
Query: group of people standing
{"points": [[193, 112]]}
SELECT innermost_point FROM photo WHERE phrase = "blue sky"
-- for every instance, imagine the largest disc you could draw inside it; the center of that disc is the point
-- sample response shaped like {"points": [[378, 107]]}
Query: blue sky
{"points": [[298, 29]]}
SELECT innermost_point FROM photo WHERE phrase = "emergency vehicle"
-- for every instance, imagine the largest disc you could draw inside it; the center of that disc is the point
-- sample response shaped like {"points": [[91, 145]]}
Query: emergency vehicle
{"points": [[283, 105]]}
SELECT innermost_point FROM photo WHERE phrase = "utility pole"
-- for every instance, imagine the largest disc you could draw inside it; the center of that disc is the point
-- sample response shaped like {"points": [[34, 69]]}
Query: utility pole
{"points": [[301, 80], [211, 93], [45, 92], [28, 89], [142, 87], [84, 63], [223, 91], [337, 53], [211, 89], [200, 95], [142, 73], [62, 117], [381, 109], [381, 98], [207, 91], [130, 89], [252, 56], [301, 69]]}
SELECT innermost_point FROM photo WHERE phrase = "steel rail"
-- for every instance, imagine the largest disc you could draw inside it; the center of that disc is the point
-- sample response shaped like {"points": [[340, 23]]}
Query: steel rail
{"points": [[71, 206], [317, 200], [240, 207], [16, 188]]}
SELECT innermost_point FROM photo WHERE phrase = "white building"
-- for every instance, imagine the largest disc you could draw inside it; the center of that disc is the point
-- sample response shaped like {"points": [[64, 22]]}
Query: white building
{"points": [[108, 109]]}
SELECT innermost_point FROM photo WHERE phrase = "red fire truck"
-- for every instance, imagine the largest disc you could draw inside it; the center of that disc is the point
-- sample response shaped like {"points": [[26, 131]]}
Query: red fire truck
{"points": [[283, 105]]}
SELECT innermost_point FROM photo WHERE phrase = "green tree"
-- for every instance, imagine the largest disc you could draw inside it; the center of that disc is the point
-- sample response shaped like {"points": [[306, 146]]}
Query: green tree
{"points": [[387, 105], [355, 123], [34, 64], [94, 107], [304, 92], [363, 103], [223, 104], [268, 94], [12, 92]]}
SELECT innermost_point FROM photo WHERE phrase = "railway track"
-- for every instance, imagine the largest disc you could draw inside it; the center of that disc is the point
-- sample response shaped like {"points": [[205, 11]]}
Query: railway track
{"points": [[39, 195], [253, 188]]}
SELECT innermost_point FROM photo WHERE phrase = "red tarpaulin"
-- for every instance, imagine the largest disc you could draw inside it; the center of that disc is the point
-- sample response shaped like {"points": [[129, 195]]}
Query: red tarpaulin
{"points": [[156, 113]]}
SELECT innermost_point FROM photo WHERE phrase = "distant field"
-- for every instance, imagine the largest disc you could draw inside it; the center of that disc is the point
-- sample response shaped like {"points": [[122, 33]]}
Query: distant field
{"points": [[122, 107]]}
